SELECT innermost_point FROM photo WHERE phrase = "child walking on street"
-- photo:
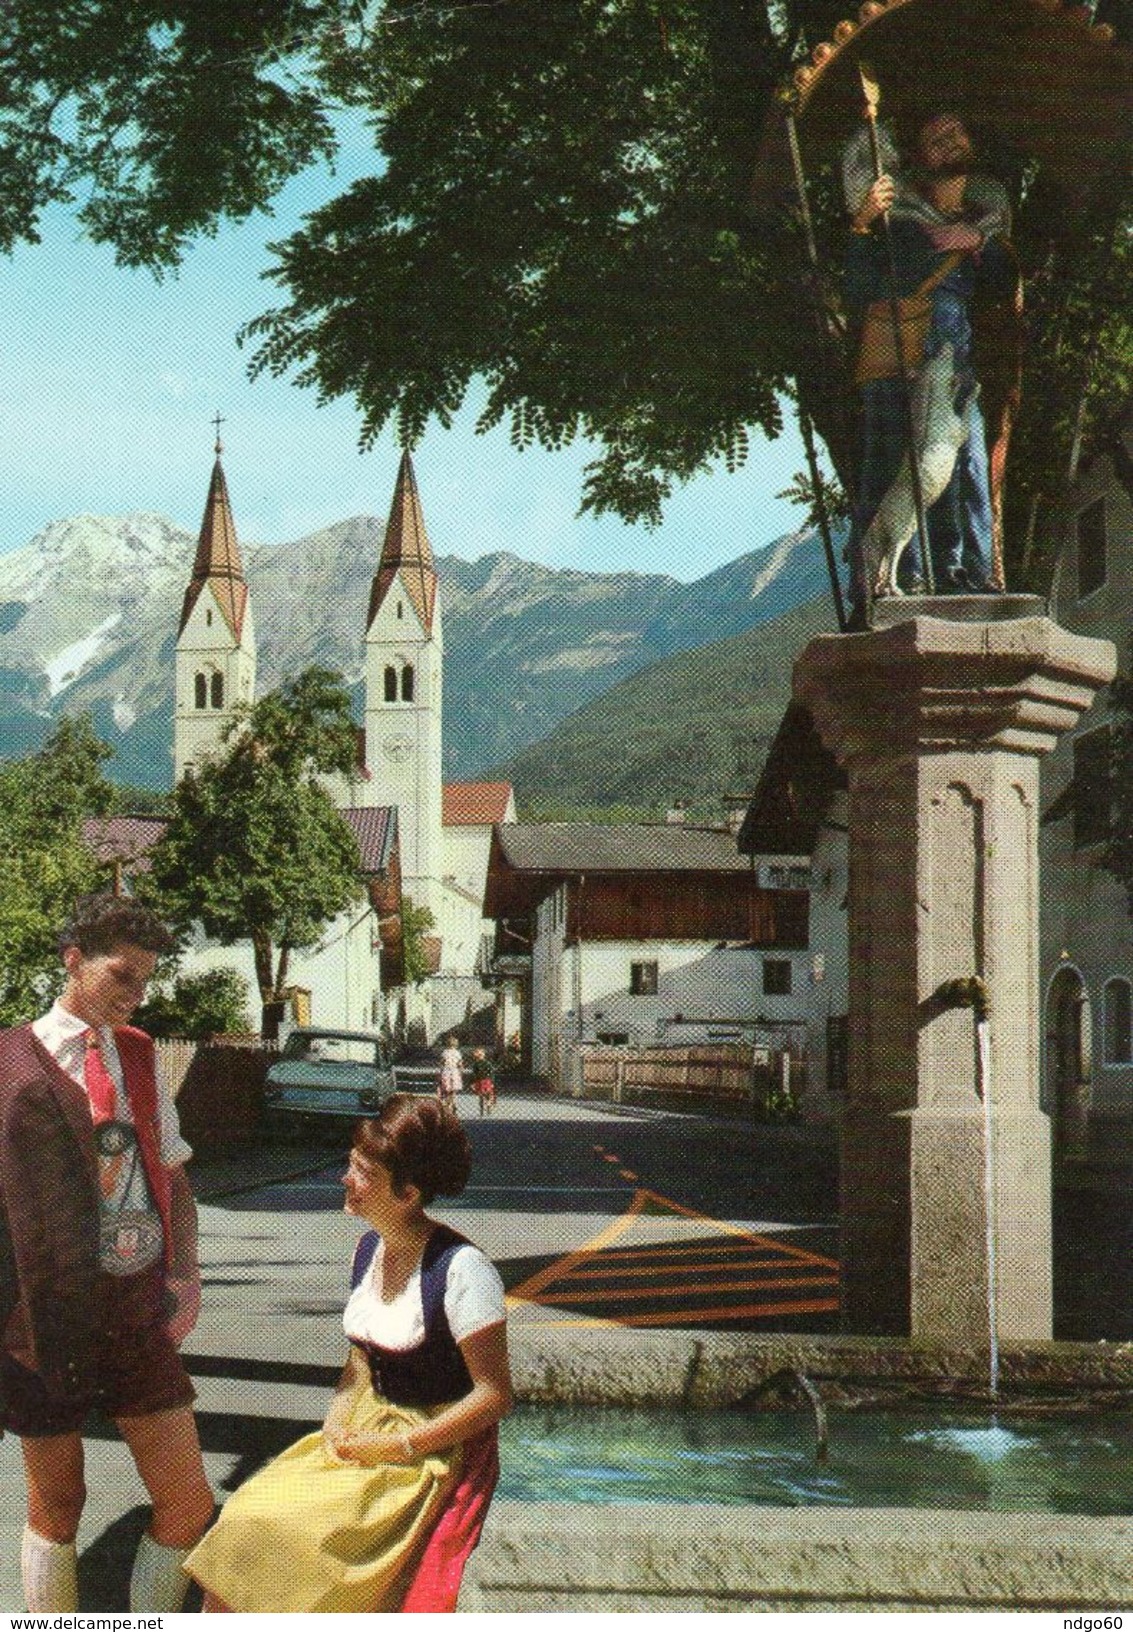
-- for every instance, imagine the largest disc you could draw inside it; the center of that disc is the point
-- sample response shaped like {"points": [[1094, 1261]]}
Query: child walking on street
{"points": [[451, 1080], [482, 1085]]}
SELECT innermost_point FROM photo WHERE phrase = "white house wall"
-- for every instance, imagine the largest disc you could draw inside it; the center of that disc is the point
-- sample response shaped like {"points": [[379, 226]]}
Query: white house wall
{"points": [[827, 992], [580, 994], [342, 973]]}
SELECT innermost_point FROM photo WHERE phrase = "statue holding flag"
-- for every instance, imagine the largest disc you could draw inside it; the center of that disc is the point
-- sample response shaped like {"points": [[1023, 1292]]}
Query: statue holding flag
{"points": [[929, 250]]}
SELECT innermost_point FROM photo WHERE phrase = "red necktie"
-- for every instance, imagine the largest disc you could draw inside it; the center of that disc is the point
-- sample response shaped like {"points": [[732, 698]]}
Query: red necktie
{"points": [[99, 1082]]}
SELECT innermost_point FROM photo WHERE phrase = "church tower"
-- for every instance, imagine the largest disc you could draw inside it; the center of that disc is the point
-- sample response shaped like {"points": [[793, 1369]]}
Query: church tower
{"points": [[404, 661], [216, 643]]}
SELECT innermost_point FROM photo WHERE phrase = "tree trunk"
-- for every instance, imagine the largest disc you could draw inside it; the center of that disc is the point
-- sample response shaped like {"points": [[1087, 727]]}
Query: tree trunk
{"points": [[269, 1006]]}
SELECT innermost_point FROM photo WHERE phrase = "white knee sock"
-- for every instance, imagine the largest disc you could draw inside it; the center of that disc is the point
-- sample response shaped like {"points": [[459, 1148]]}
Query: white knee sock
{"points": [[50, 1572], [158, 1581]]}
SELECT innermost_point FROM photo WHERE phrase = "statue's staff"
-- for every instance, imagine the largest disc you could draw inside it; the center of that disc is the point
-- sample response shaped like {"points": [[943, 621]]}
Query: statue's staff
{"points": [[871, 93], [806, 424]]}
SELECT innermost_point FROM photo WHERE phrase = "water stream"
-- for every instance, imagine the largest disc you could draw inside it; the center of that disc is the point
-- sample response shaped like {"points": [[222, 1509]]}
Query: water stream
{"points": [[983, 1049]]}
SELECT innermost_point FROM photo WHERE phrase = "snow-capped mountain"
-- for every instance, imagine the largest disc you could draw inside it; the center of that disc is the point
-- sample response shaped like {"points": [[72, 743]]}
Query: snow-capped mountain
{"points": [[89, 611]]}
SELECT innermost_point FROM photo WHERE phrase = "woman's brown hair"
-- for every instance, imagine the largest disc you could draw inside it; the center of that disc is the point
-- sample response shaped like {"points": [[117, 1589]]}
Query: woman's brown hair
{"points": [[419, 1142]]}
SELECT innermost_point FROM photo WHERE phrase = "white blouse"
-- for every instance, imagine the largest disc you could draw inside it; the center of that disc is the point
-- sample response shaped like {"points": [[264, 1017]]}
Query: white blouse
{"points": [[474, 1299]]}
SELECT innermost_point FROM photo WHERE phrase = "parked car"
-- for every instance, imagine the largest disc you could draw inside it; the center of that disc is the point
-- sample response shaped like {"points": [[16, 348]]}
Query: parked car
{"points": [[326, 1079], [418, 1070]]}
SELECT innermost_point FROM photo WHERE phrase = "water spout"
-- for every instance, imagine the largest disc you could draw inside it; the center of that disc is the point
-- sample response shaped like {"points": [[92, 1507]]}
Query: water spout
{"points": [[791, 1380]]}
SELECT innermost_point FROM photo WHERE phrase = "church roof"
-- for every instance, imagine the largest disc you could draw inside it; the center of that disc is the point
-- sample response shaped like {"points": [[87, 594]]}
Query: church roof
{"points": [[218, 561], [474, 804], [407, 551]]}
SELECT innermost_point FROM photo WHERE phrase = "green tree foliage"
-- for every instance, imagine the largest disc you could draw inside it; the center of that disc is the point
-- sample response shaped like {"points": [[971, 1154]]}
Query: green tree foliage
{"points": [[416, 923], [45, 864], [211, 1004], [560, 207], [255, 849]]}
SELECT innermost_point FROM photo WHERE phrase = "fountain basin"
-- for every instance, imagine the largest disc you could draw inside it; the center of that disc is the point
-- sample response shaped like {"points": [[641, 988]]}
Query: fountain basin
{"points": [[714, 1557], [556, 1556]]}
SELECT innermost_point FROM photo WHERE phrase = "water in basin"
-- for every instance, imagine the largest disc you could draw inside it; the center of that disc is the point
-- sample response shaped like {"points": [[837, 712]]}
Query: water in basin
{"points": [[930, 1458]]}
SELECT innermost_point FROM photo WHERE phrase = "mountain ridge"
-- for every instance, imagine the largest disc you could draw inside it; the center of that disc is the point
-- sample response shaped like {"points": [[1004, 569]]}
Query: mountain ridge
{"points": [[526, 645]]}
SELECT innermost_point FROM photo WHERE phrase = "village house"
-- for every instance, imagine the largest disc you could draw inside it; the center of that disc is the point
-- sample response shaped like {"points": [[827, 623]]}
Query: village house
{"points": [[1086, 928], [342, 980], [796, 821], [643, 937]]}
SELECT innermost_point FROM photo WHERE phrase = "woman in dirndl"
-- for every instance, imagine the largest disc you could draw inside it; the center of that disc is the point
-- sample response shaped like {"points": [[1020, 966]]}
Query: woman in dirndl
{"points": [[381, 1509]]}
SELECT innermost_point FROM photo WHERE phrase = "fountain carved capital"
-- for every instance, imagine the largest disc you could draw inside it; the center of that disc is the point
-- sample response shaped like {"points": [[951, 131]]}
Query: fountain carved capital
{"points": [[930, 685]]}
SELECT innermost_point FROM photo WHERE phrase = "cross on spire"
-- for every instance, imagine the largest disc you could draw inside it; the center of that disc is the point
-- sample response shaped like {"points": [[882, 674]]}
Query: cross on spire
{"points": [[218, 421]]}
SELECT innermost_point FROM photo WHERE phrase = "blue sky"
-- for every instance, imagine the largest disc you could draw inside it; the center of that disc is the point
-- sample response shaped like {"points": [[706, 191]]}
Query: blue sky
{"points": [[112, 379]]}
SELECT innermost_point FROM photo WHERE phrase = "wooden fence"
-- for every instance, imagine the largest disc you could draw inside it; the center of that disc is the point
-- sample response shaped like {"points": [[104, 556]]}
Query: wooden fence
{"points": [[218, 1086], [736, 1079]]}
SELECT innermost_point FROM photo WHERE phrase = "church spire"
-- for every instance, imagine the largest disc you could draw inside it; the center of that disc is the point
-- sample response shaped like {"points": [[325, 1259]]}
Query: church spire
{"points": [[218, 561], [407, 551]]}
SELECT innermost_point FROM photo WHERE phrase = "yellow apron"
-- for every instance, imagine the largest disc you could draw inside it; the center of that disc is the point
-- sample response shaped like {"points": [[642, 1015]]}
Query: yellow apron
{"points": [[311, 1534]]}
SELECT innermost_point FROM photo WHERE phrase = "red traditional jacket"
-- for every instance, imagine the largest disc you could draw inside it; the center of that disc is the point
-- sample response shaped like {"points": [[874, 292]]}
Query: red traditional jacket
{"points": [[49, 1202]]}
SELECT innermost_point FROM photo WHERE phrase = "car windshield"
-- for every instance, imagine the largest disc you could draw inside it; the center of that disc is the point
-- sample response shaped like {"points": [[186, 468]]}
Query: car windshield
{"points": [[332, 1050]]}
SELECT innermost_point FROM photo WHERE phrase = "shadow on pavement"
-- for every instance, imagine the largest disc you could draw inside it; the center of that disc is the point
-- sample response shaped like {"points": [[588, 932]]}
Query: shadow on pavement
{"points": [[105, 1566]]}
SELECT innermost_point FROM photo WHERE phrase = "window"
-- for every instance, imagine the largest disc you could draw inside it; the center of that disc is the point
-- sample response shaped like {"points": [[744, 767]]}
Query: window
{"points": [[643, 979], [407, 683], [400, 610], [1093, 787], [201, 688], [217, 689], [208, 620], [1091, 548], [390, 684], [777, 977], [1118, 1027]]}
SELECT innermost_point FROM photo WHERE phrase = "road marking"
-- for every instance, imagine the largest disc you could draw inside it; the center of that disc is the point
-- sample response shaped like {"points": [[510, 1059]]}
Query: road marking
{"points": [[745, 1262], [614, 1272], [546, 1189], [695, 1290]]}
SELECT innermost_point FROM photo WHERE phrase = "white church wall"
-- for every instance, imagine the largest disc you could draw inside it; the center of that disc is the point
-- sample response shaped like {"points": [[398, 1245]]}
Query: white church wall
{"points": [[403, 737], [206, 647]]}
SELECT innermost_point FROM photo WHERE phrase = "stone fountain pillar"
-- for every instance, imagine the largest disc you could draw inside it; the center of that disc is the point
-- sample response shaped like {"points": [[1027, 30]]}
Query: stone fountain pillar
{"points": [[940, 714]]}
